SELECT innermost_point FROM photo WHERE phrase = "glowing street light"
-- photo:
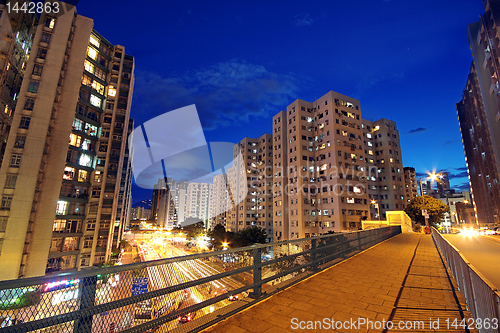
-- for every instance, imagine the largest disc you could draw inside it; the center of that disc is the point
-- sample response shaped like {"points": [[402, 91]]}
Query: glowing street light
{"points": [[378, 208]]}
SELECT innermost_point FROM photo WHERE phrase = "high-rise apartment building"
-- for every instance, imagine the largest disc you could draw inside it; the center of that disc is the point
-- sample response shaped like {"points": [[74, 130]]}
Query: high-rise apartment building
{"points": [[199, 201], [221, 202], [478, 115], [250, 178], [410, 187], [384, 165], [62, 181], [319, 167], [17, 30]]}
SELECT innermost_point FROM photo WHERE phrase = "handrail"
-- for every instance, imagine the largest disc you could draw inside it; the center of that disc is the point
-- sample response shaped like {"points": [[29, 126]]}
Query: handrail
{"points": [[166, 281]]}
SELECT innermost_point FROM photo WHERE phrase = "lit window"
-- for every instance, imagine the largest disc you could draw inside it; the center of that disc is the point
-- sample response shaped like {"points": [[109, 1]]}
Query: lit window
{"points": [[391, 160], [92, 53], [94, 41], [98, 87], [62, 207], [91, 129], [111, 91], [350, 200], [89, 67], [83, 175], [370, 144], [69, 173], [95, 101], [357, 189], [85, 160], [77, 124], [75, 140], [368, 135], [50, 22], [87, 144], [370, 152]]}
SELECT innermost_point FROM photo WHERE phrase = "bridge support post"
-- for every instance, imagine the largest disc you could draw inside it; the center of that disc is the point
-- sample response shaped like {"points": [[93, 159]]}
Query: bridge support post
{"points": [[87, 301], [257, 273], [314, 255]]}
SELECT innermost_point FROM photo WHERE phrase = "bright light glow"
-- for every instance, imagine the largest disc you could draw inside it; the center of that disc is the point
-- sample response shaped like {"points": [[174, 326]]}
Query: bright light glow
{"points": [[469, 232]]}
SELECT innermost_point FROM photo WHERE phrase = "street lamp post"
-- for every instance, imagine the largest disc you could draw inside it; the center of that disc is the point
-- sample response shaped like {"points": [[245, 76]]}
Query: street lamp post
{"points": [[378, 209]]}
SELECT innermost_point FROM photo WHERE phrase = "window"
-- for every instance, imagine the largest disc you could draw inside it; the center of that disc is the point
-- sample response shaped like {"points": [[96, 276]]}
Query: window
{"points": [[29, 103], [89, 67], [75, 140], [69, 173], [111, 91], [37, 69], [95, 101], [62, 207], [25, 122], [100, 74], [92, 53], [6, 201], [15, 160], [33, 87], [98, 87], [85, 160], [83, 175], [3, 223], [46, 37], [50, 22], [20, 141], [98, 177], [94, 40], [42, 53], [87, 144], [78, 124], [91, 129], [10, 182]]}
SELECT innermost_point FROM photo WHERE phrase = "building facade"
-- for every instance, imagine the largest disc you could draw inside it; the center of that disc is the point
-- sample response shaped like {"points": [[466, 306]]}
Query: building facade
{"points": [[17, 30], [319, 168], [59, 201], [411, 186], [251, 186], [384, 165], [478, 114]]}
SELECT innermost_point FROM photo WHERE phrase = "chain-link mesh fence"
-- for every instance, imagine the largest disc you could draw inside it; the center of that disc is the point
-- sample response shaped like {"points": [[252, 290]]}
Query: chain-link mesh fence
{"points": [[181, 294]]}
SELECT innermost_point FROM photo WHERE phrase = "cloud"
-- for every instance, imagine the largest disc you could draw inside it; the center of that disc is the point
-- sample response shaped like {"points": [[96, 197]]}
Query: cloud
{"points": [[462, 187], [224, 93], [449, 142], [418, 130], [461, 169], [421, 174], [302, 20]]}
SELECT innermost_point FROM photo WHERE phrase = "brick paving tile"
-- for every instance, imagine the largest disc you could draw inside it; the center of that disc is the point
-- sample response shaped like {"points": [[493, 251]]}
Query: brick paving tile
{"points": [[363, 286]]}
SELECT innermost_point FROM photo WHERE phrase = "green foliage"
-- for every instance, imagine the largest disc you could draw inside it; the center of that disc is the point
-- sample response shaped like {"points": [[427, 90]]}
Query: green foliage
{"points": [[194, 230], [219, 235], [435, 209], [249, 236], [28, 298]]}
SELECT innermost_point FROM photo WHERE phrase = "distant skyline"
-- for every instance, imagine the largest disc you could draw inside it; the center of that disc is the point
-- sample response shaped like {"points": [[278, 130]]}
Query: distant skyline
{"points": [[242, 63]]}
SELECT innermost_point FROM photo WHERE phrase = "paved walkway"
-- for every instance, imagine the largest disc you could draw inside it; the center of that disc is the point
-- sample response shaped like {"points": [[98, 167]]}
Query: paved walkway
{"points": [[401, 280]]}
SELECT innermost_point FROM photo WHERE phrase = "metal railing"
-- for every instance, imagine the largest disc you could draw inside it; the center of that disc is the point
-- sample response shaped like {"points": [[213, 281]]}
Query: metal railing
{"points": [[181, 294], [482, 298]]}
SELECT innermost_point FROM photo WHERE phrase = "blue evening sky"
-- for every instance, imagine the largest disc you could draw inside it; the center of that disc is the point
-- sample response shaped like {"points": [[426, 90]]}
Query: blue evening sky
{"points": [[241, 62]]}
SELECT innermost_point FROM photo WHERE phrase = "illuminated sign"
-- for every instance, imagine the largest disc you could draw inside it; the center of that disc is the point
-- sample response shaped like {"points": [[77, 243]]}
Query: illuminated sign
{"points": [[63, 283], [64, 296]]}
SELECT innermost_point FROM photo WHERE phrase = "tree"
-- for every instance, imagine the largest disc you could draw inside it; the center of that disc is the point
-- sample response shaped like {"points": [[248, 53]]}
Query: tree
{"points": [[249, 236], [435, 208], [194, 230], [219, 235]]}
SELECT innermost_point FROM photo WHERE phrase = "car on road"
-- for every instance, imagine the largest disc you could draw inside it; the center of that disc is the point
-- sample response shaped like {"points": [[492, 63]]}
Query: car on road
{"points": [[186, 318], [233, 298]]}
